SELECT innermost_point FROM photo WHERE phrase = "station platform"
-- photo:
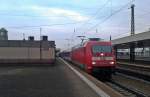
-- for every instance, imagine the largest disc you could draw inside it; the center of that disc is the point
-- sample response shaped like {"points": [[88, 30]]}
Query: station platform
{"points": [[46, 81], [57, 80]]}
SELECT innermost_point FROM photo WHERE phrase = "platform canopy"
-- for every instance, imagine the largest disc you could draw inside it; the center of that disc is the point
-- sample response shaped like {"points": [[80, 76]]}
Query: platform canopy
{"points": [[140, 39]]}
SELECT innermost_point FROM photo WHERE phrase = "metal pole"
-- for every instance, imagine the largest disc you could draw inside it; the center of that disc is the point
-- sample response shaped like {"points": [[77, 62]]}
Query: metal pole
{"points": [[40, 44], [110, 38], [132, 45], [116, 51], [23, 36], [132, 20]]}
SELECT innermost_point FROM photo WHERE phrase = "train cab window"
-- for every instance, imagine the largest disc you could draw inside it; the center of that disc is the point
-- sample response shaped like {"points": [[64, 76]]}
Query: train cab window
{"points": [[100, 48]]}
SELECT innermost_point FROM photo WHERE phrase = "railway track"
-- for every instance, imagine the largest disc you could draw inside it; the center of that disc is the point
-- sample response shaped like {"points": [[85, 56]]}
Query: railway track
{"points": [[138, 67], [134, 74], [138, 71], [130, 89], [130, 86], [126, 91]]}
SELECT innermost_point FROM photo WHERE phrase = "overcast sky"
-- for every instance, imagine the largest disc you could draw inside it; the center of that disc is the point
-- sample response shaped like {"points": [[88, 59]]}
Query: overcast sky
{"points": [[63, 20]]}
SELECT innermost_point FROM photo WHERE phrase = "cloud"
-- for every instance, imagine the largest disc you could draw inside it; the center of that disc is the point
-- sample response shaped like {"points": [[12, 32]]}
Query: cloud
{"points": [[58, 12]]}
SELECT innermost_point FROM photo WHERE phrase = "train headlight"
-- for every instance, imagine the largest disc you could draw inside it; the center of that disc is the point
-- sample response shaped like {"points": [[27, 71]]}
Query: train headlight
{"points": [[102, 54], [93, 63], [112, 62]]}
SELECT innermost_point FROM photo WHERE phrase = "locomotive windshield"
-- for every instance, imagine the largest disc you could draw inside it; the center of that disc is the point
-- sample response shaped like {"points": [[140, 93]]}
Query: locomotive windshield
{"points": [[100, 48]]}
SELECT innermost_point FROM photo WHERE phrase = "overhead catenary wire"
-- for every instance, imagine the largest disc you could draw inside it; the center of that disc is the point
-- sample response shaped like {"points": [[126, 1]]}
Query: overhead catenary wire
{"points": [[108, 17], [30, 16], [147, 13], [121, 34], [59, 24], [93, 16], [73, 7]]}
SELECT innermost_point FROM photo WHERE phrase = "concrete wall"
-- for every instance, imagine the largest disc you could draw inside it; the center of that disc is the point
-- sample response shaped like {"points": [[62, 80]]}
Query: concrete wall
{"points": [[26, 53]]}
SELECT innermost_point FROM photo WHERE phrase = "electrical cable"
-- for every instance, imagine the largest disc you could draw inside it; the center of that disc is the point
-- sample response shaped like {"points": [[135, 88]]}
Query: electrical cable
{"points": [[93, 16], [101, 22], [18, 27]]}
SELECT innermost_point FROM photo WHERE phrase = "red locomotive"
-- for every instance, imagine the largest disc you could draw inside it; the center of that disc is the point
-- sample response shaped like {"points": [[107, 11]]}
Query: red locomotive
{"points": [[94, 56]]}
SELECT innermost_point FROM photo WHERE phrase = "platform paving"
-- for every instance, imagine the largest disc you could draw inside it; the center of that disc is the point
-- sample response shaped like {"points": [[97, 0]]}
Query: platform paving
{"points": [[42, 81]]}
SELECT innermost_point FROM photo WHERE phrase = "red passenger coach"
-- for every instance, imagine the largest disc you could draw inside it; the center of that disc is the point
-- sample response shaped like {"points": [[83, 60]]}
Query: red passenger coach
{"points": [[94, 56]]}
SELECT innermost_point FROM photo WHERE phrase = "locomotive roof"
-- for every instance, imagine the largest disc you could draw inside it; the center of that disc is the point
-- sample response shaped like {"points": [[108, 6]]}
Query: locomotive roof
{"points": [[89, 42], [67, 50]]}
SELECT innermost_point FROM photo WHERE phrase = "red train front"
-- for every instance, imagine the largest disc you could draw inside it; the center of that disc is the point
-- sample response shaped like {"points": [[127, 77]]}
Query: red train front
{"points": [[94, 57]]}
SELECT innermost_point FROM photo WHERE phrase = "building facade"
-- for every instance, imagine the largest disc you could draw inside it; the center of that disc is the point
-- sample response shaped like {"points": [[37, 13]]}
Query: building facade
{"points": [[27, 51]]}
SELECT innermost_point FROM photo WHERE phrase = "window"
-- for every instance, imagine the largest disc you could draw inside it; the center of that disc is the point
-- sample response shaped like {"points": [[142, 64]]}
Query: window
{"points": [[101, 48]]}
